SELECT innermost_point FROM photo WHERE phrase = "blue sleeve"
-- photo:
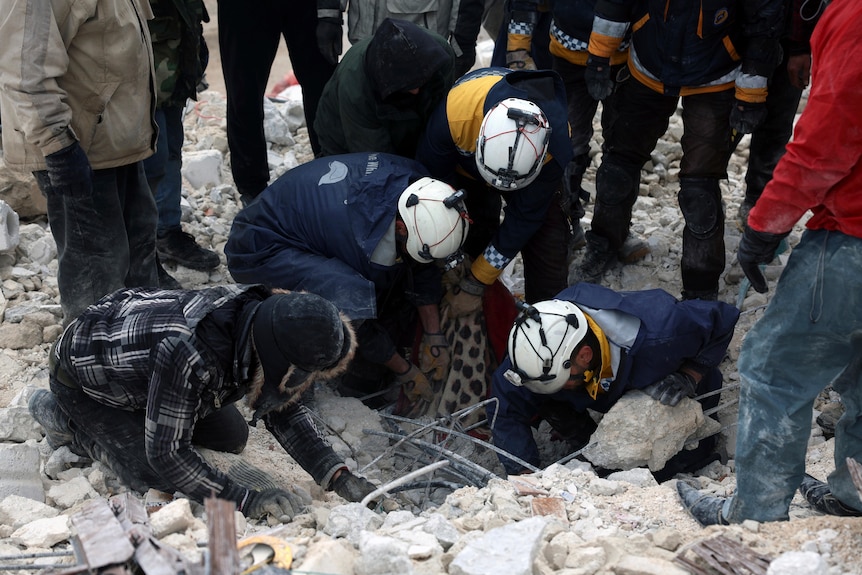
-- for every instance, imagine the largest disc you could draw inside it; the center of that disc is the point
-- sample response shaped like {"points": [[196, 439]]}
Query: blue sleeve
{"points": [[511, 421], [436, 150]]}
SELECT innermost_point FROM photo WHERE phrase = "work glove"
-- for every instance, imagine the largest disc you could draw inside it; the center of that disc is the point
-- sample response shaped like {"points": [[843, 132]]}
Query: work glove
{"points": [[281, 504], [757, 248], [329, 38], [520, 60], [672, 388], [466, 297], [745, 117], [597, 77], [415, 384], [69, 170], [434, 356], [351, 487]]}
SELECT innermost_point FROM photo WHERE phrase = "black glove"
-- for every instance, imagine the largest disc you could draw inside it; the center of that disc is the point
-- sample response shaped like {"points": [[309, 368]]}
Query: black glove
{"points": [[672, 388], [745, 117], [279, 503], [329, 35], [757, 248], [597, 77], [352, 487], [69, 170]]}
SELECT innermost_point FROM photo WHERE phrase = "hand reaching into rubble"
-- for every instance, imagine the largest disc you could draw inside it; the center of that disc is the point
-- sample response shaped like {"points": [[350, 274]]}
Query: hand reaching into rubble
{"points": [[672, 388], [281, 504], [351, 487]]}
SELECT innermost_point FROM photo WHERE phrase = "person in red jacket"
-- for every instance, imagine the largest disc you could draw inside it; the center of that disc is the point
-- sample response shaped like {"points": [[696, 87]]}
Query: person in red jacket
{"points": [[811, 334]]}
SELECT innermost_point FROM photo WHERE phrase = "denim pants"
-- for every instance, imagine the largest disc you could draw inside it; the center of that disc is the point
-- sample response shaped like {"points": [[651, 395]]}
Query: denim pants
{"points": [[799, 346], [106, 236], [164, 168]]}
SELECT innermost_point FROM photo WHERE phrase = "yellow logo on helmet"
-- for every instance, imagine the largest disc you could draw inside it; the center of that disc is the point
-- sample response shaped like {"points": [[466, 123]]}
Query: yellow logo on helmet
{"points": [[721, 16]]}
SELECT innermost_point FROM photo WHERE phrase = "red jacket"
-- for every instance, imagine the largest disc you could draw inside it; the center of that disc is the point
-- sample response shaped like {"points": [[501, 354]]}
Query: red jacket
{"points": [[822, 169]]}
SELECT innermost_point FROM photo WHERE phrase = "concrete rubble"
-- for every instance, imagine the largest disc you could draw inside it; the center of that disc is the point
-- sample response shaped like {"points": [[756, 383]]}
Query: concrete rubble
{"points": [[565, 520]]}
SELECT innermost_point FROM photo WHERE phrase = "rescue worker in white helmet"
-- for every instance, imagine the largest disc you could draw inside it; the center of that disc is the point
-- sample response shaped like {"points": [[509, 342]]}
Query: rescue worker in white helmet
{"points": [[366, 231], [504, 135], [587, 347]]}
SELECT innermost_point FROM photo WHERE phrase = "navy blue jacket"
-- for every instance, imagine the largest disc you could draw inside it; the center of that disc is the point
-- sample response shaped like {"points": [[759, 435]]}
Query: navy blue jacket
{"points": [[316, 227], [672, 334], [449, 143]]}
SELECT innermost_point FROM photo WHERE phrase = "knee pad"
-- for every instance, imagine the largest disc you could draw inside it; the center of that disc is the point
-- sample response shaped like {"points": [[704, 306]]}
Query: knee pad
{"points": [[615, 183], [700, 203]]}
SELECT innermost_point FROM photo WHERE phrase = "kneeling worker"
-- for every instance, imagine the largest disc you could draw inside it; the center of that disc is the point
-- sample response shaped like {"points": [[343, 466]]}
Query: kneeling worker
{"points": [[589, 346], [144, 375]]}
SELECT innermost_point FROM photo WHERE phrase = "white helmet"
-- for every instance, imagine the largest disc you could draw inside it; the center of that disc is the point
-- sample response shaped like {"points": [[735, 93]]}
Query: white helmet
{"points": [[436, 220], [512, 144], [541, 344]]}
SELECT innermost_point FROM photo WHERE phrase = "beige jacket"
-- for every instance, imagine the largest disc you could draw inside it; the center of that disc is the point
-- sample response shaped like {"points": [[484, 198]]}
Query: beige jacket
{"points": [[76, 69], [365, 16]]}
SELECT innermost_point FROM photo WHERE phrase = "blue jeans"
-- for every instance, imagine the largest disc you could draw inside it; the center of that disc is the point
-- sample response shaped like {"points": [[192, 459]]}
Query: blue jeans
{"points": [[164, 168], [798, 348], [106, 236]]}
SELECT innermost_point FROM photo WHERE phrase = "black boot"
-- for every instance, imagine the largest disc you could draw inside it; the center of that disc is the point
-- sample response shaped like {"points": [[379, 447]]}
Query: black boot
{"points": [[598, 258], [47, 412], [820, 497], [180, 247], [705, 295], [706, 509], [166, 280]]}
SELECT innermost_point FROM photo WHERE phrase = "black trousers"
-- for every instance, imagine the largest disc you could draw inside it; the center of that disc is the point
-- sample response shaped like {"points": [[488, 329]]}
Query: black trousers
{"points": [[768, 141], [642, 118], [249, 36], [116, 437]]}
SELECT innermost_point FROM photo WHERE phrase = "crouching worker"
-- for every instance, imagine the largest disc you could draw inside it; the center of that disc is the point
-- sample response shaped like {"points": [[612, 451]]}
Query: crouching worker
{"points": [[367, 232], [144, 376], [589, 346]]}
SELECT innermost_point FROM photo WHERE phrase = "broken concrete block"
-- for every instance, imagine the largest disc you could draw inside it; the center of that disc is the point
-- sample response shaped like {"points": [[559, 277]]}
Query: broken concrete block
{"points": [[19, 471], [43, 533], [329, 556], [202, 168], [9, 237], [17, 511], [71, 492], [174, 517], [510, 549]]}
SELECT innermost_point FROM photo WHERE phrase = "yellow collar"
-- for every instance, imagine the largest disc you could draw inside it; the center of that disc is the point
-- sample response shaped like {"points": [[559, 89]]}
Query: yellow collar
{"points": [[605, 371]]}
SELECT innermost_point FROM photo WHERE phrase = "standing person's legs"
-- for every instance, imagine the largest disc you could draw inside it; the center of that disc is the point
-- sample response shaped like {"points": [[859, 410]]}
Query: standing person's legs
{"points": [[706, 145], [769, 140], [164, 168], [465, 34], [799, 345], [140, 218], [545, 256], [299, 21], [642, 117], [93, 244], [249, 34]]}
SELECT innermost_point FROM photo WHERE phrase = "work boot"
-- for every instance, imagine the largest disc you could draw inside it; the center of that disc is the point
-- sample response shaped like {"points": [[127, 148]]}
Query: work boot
{"points": [[47, 412], [828, 418], [705, 295], [166, 280], [578, 239], [598, 258], [179, 247], [820, 497], [633, 250], [706, 509]]}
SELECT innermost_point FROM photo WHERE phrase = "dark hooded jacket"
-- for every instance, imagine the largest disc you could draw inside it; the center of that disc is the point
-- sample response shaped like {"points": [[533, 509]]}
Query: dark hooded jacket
{"points": [[365, 106]]}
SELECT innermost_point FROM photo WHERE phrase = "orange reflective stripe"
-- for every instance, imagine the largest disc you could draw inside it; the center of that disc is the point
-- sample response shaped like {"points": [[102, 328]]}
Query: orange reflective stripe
{"points": [[752, 95], [640, 23], [603, 46], [518, 42], [731, 49]]}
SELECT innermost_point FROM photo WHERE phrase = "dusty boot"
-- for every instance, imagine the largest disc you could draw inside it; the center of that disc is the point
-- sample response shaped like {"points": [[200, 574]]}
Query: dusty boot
{"points": [[47, 412], [598, 258], [166, 280], [180, 247], [633, 250], [829, 416], [706, 509], [820, 497]]}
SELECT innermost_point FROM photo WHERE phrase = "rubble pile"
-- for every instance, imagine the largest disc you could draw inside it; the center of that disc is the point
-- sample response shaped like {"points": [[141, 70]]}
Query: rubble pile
{"points": [[462, 518]]}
